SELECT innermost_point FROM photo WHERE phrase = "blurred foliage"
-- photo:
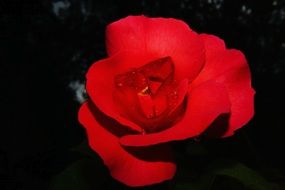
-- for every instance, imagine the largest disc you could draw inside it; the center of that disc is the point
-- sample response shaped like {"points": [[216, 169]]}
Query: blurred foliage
{"points": [[46, 47], [213, 173]]}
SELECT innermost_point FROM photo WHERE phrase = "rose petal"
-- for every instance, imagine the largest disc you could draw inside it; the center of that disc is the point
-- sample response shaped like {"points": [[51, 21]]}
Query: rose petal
{"points": [[229, 67], [135, 167], [100, 84], [241, 95], [212, 43], [161, 37], [205, 103], [180, 95]]}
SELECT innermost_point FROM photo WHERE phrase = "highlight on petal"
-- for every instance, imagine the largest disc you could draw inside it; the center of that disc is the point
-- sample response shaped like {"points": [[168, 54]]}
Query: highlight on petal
{"points": [[204, 104], [132, 166], [229, 67], [159, 36]]}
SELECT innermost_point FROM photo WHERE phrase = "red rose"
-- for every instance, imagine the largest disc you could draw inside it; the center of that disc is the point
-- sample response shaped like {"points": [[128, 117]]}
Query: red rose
{"points": [[162, 82]]}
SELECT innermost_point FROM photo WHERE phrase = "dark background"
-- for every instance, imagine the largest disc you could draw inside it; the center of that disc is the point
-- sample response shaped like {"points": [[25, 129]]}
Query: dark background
{"points": [[46, 47]]}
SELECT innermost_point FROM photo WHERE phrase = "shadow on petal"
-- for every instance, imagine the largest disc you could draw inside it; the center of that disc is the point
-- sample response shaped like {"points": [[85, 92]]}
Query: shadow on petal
{"points": [[108, 123], [152, 153]]}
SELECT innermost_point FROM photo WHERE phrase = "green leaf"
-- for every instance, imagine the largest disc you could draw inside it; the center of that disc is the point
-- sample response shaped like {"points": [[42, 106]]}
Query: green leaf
{"points": [[81, 175], [203, 183], [248, 177]]}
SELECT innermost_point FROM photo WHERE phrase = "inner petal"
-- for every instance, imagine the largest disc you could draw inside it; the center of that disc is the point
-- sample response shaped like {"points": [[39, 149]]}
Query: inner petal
{"points": [[154, 86], [149, 95], [158, 70], [147, 105]]}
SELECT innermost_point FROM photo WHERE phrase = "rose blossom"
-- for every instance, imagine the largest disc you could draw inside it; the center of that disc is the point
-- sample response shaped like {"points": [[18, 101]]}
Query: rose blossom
{"points": [[161, 82]]}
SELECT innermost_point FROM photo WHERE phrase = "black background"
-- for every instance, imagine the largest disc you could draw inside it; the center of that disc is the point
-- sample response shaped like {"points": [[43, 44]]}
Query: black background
{"points": [[43, 48]]}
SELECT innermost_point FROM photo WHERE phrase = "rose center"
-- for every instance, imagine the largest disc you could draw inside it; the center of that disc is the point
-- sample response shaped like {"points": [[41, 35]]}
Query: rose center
{"points": [[149, 95]]}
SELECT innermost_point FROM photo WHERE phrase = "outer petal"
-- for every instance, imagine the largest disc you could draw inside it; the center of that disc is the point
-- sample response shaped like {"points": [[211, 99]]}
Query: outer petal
{"points": [[100, 83], [205, 103], [230, 68], [212, 44], [162, 37], [135, 167]]}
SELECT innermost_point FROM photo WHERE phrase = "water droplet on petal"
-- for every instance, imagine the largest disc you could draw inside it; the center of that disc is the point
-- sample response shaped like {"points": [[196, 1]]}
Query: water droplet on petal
{"points": [[171, 104], [119, 84], [174, 95], [149, 116]]}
